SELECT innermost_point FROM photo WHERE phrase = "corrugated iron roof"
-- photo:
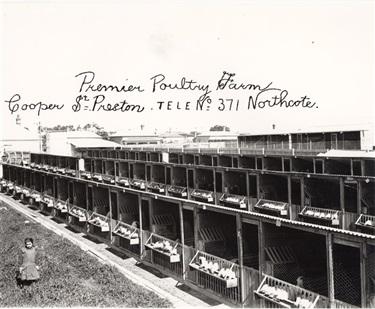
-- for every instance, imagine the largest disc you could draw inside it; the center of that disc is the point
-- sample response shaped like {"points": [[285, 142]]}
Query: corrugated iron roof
{"points": [[94, 143], [293, 222]]}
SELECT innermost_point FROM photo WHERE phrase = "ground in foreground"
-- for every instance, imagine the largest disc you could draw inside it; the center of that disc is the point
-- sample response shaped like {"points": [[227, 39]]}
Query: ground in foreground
{"points": [[70, 277]]}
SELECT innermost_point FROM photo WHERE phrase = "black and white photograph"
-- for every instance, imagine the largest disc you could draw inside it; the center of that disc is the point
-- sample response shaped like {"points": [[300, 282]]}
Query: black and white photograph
{"points": [[187, 154]]}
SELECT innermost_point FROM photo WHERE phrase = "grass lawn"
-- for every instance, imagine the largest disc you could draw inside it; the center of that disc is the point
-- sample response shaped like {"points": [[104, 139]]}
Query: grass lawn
{"points": [[69, 276]]}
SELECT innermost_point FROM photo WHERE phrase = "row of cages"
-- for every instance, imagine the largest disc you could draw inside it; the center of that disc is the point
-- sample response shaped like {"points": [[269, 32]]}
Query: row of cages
{"points": [[319, 165], [208, 256], [193, 246], [268, 190]]}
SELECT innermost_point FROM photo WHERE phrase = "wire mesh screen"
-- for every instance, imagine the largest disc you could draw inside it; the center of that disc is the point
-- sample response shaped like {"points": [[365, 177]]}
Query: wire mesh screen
{"points": [[217, 235], [128, 208], [346, 272], [79, 194], [250, 245], [291, 253], [26, 179], [62, 189], [48, 185], [101, 201], [188, 227], [37, 182]]}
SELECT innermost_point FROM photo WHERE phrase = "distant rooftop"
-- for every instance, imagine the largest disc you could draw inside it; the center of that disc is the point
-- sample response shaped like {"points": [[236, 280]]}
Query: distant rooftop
{"points": [[132, 133], [94, 143], [218, 133], [313, 129]]}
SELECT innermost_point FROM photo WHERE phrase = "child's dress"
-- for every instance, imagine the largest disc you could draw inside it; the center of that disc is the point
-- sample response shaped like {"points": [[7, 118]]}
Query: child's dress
{"points": [[28, 270]]}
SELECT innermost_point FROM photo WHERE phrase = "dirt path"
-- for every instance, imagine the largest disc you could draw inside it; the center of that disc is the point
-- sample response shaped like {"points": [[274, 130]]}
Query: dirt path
{"points": [[180, 295]]}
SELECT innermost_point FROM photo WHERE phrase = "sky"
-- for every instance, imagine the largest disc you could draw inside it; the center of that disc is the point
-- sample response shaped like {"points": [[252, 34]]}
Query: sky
{"points": [[187, 65]]}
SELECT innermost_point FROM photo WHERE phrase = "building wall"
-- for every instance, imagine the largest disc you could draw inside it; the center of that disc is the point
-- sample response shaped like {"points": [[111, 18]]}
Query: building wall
{"points": [[367, 140], [57, 143], [201, 139]]}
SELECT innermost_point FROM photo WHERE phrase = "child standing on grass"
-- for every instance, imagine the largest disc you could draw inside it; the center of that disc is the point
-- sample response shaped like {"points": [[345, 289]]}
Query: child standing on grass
{"points": [[28, 272]]}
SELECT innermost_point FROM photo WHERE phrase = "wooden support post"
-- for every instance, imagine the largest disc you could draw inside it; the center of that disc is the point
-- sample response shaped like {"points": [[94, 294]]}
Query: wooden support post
{"points": [[258, 186], [181, 213], [214, 184], [69, 191], [182, 238], [302, 191], [363, 171], [248, 191], [78, 174], [363, 260], [342, 201], [151, 212], [240, 257], [314, 165], [261, 242], [291, 215], [87, 197], [359, 197], [110, 214], [141, 224], [196, 227], [54, 191], [330, 277]]}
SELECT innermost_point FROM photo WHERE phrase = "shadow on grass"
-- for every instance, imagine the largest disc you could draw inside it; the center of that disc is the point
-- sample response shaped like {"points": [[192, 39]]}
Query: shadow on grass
{"points": [[151, 270]]}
